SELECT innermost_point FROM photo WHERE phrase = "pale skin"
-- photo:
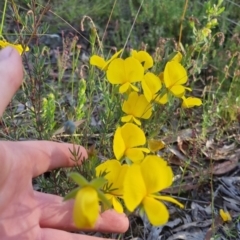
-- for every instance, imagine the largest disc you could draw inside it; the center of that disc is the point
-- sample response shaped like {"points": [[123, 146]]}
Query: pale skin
{"points": [[26, 214]]}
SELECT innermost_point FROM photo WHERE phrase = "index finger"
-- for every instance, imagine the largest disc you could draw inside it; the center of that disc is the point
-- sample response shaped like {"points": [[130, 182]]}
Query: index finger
{"points": [[11, 75], [41, 156]]}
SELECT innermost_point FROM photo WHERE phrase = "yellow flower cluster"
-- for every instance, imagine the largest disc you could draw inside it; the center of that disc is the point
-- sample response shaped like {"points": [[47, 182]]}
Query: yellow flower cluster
{"points": [[136, 176]]}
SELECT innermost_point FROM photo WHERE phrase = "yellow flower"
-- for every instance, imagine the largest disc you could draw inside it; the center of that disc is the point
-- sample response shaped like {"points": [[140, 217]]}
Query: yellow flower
{"points": [[114, 174], [226, 217], [141, 186], [99, 62], [174, 76], [125, 72], [126, 141], [144, 58], [136, 106], [191, 102], [86, 208], [86, 195], [18, 47], [151, 84]]}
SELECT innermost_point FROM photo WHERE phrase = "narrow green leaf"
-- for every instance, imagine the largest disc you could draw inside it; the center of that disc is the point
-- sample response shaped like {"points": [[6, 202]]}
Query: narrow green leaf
{"points": [[98, 182], [72, 194], [79, 179], [104, 199]]}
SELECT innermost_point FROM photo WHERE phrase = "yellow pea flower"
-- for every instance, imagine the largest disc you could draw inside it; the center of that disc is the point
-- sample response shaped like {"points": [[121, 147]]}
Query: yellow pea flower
{"points": [[18, 47], [226, 217], [87, 196], [144, 58], [191, 102], [174, 76], [151, 85], [86, 208], [126, 141], [136, 106], [114, 174], [141, 186], [101, 63], [125, 72]]}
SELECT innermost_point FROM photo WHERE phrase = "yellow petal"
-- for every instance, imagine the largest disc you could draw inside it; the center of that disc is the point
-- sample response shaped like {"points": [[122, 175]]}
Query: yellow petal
{"points": [[136, 154], [18, 47], [115, 55], [128, 118], [132, 135], [174, 74], [177, 57], [137, 106], [98, 62], [161, 100], [155, 145], [169, 199], [117, 205], [122, 71], [156, 211], [134, 187], [226, 217], [86, 208], [160, 176], [111, 169], [144, 58], [119, 146], [151, 84], [115, 173], [191, 102], [177, 90]]}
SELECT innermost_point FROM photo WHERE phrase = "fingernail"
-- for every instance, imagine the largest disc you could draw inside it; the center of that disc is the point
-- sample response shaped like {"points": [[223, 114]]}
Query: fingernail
{"points": [[5, 53]]}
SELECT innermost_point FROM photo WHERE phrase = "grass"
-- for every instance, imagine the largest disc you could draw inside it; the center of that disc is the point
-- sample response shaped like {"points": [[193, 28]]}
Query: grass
{"points": [[61, 85]]}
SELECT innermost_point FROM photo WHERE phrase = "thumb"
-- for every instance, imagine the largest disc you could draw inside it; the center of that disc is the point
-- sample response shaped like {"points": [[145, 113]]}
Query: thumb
{"points": [[11, 75]]}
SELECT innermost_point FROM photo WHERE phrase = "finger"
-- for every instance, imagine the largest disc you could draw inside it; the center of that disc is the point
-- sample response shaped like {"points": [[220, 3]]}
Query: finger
{"points": [[58, 214], [11, 75], [41, 156], [47, 233]]}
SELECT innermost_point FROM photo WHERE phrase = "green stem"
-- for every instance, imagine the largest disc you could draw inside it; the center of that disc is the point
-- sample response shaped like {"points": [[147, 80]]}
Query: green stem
{"points": [[3, 17]]}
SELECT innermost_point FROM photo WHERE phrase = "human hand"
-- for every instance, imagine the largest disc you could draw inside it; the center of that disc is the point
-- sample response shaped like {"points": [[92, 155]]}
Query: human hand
{"points": [[26, 214]]}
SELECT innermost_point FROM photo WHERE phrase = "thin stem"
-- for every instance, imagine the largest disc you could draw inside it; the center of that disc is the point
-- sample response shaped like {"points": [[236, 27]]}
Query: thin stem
{"points": [[3, 17], [181, 25], [134, 21]]}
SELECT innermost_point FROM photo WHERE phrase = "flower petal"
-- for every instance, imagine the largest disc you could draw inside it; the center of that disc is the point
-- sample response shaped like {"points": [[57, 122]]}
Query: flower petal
{"points": [[132, 135], [135, 154], [98, 62], [177, 57], [151, 84], [144, 58], [119, 146], [125, 71], [128, 118], [86, 208], [134, 187], [160, 176], [117, 205], [174, 74], [178, 90], [137, 106], [18, 47], [191, 102], [156, 211]]}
